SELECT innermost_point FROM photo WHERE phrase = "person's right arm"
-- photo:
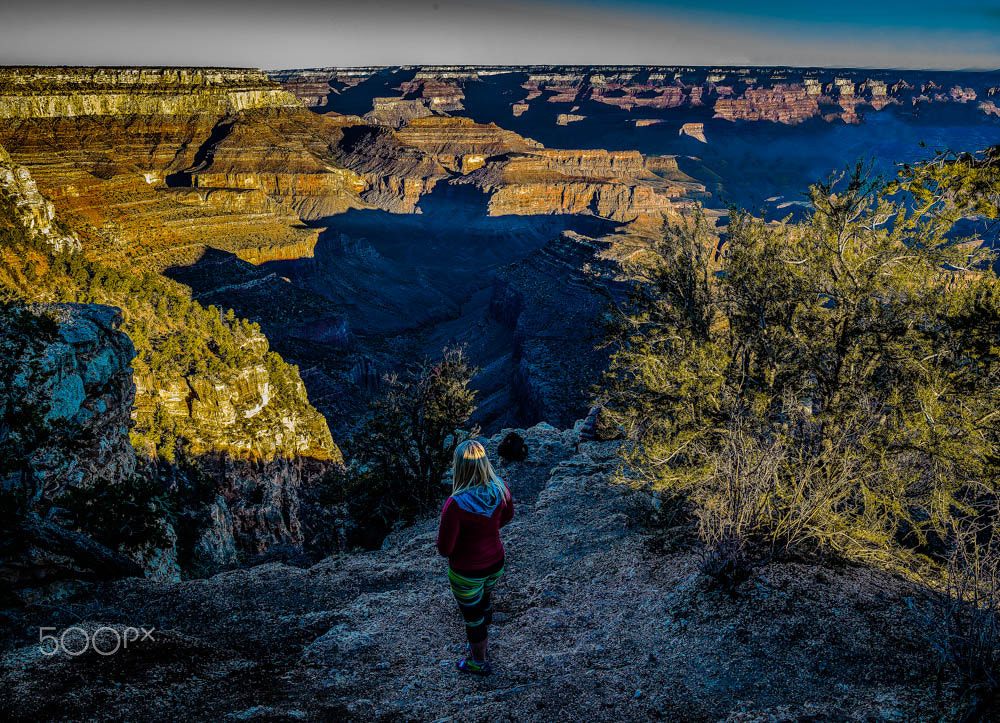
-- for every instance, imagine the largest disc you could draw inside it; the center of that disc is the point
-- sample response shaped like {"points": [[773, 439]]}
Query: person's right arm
{"points": [[448, 529]]}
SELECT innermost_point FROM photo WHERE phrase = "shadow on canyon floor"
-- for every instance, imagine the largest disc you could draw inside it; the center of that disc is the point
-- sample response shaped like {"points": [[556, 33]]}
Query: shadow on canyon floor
{"points": [[393, 288]]}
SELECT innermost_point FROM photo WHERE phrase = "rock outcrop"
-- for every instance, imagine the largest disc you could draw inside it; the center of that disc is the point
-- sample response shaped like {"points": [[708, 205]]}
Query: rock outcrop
{"points": [[396, 174], [397, 112], [65, 404], [564, 119], [439, 91], [780, 104], [80, 381], [615, 185], [251, 411], [461, 144], [29, 209], [694, 130]]}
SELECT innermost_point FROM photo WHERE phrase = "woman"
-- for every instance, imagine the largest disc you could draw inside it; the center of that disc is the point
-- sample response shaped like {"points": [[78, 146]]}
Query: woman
{"points": [[469, 536]]}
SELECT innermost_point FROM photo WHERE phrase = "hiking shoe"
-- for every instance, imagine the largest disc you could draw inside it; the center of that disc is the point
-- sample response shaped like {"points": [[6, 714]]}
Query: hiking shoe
{"points": [[469, 665]]}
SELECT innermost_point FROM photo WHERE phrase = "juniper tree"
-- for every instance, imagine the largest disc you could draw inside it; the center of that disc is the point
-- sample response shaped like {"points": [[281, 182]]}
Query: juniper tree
{"points": [[861, 346], [402, 454]]}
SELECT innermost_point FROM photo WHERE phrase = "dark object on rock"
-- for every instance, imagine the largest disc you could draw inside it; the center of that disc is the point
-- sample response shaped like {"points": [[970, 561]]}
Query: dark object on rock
{"points": [[513, 448], [599, 426], [589, 429]]}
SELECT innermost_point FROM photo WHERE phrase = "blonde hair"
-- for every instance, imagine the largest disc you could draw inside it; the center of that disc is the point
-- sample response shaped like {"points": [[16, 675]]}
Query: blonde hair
{"points": [[472, 468]]}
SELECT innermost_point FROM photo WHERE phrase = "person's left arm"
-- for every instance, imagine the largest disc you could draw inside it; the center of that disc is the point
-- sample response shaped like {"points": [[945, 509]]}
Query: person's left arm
{"points": [[507, 513], [448, 529]]}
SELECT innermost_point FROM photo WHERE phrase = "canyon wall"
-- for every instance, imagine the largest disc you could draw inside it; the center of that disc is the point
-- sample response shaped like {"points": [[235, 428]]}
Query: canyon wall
{"points": [[28, 93], [209, 403], [65, 402], [153, 166], [79, 379], [461, 144], [29, 209], [616, 185]]}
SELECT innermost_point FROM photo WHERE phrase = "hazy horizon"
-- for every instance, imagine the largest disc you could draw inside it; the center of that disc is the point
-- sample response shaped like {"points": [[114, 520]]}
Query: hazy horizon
{"points": [[307, 34]]}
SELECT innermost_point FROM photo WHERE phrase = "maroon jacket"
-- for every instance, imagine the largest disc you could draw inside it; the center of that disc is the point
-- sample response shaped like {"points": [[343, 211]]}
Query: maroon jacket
{"points": [[471, 540]]}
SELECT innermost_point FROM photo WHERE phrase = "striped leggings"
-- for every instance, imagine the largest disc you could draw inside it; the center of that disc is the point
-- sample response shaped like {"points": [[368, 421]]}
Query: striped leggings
{"points": [[473, 596]]}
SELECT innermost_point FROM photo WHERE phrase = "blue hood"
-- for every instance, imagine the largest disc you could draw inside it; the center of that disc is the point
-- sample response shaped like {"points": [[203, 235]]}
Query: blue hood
{"points": [[481, 499]]}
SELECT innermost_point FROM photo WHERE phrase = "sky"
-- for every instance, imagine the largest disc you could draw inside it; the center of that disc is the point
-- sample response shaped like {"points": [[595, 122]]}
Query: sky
{"points": [[961, 34]]}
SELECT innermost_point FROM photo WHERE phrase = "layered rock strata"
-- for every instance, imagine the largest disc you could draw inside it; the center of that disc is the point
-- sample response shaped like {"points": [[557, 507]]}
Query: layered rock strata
{"points": [[69, 92], [198, 158], [461, 144], [615, 185], [29, 209]]}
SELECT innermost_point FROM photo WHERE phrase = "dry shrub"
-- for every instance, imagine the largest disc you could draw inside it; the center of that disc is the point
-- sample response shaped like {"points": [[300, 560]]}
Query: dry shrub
{"points": [[962, 623], [772, 489]]}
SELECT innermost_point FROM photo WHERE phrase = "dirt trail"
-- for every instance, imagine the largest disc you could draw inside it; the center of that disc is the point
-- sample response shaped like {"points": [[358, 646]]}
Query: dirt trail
{"points": [[590, 624]]}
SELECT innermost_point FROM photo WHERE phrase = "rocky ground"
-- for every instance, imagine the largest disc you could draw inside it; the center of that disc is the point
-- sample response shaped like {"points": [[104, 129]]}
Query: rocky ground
{"points": [[593, 622]]}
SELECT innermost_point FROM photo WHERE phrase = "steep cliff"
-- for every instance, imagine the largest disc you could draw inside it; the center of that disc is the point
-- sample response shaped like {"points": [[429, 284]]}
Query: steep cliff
{"points": [[151, 166], [65, 400], [780, 104], [211, 410], [28, 209], [396, 174], [615, 185], [52, 92], [77, 379]]}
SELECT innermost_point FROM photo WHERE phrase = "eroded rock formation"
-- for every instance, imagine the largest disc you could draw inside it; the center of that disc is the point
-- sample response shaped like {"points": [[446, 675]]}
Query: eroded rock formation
{"points": [[461, 144], [80, 381], [153, 166], [29, 209], [615, 185]]}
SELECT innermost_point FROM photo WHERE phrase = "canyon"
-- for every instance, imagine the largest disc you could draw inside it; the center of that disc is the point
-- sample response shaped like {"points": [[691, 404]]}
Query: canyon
{"points": [[388, 208], [366, 218], [208, 276], [770, 130], [203, 161]]}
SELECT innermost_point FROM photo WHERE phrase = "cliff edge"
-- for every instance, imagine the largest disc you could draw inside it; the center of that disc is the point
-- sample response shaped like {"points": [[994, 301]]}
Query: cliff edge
{"points": [[591, 623]]}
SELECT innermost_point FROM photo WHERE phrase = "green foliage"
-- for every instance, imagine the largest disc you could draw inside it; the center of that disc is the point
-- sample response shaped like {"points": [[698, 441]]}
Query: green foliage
{"points": [[404, 451], [834, 381], [966, 182], [121, 515], [22, 426], [175, 338]]}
